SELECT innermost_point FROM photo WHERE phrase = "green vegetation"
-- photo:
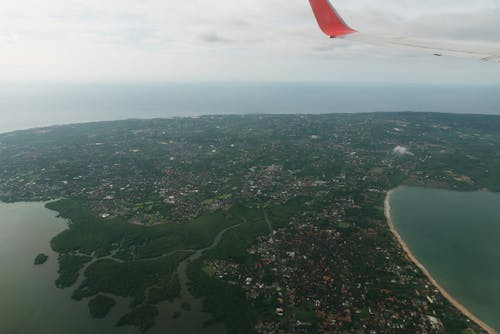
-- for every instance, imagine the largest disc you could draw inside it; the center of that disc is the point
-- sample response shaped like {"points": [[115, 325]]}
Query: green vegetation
{"points": [[186, 306], [225, 302], [69, 269], [88, 233], [233, 247], [167, 291], [142, 317], [280, 215], [41, 259], [141, 195], [131, 279], [468, 331], [307, 316], [236, 242], [100, 305]]}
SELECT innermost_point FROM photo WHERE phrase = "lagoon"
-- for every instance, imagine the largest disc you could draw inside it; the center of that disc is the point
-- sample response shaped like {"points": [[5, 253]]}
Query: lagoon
{"points": [[30, 303], [456, 236]]}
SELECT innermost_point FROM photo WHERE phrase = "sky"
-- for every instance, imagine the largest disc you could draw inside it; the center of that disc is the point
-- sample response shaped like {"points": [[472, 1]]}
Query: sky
{"points": [[227, 40]]}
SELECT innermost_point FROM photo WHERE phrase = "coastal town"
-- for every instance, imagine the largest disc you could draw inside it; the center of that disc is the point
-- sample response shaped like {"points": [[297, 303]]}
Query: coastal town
{"points": [[312, 251]]}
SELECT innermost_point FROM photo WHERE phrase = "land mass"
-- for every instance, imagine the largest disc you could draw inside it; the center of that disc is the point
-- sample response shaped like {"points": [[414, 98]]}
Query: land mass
{"points": [[41, 259], [306, 246], [100, 305]]}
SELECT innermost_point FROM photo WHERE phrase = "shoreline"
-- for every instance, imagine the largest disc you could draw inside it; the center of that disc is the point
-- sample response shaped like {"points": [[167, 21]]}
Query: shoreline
{"points": [[410, 256]]}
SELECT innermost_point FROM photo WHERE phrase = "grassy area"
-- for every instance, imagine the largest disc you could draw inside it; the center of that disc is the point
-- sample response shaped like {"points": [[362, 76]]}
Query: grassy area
{"points": [[209, 270], [305, 315], [343, 226]]}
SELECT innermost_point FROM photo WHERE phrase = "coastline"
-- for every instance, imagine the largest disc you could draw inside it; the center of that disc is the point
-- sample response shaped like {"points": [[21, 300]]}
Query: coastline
{"points": [[410, 256]]}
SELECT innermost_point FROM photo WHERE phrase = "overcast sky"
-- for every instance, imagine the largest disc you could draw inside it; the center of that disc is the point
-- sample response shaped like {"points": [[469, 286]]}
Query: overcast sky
{"points": [[231, 40]]}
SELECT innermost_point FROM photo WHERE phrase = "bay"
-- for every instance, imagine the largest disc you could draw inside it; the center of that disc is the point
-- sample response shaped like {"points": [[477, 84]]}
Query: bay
{"points": [[29, 301], [456, 236], [31, 304]]}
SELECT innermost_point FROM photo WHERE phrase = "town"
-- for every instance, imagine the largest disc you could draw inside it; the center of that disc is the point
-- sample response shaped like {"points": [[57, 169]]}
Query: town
{"points": [[313, 253]]}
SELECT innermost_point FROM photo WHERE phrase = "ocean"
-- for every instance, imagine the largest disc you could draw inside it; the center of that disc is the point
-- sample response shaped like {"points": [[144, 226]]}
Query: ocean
{"points": [[33, 105], [455, 235]]}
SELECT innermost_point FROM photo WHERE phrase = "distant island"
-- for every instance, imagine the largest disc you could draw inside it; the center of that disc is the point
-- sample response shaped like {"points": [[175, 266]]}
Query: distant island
{"points": [[41, 259], [288, 210]]}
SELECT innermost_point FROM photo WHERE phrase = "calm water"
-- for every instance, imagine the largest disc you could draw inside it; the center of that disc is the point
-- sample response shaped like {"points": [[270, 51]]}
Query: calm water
{"points": [[29, 301], [457, 237], [26, 106]]}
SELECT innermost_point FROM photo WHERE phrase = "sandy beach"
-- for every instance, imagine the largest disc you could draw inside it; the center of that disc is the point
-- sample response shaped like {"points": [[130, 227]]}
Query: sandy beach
{"points": [[465, 311]]}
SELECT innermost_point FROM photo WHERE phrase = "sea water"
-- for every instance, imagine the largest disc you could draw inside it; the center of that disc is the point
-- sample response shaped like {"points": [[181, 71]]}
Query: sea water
{"points": [[456, 236], [32, 105]]}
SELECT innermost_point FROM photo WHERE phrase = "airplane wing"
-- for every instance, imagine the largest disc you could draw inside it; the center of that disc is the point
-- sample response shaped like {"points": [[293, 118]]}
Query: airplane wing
{"points": [[332, 24], [329, 19]]}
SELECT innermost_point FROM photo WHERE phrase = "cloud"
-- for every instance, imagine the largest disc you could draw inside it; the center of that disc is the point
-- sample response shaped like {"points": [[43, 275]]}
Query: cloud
{"points": [[401, 150], [9, 38], [276, 40], [212, 37]]}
